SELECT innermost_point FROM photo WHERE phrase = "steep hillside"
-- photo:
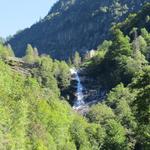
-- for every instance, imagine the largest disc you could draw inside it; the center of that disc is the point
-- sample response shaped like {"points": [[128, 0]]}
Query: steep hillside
{"points": [[117, 61], [34, 90], [138, 20], [74, 25]]}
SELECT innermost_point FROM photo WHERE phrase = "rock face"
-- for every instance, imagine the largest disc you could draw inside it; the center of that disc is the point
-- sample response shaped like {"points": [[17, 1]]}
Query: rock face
{"points": [[87, 91], [73, 25]]}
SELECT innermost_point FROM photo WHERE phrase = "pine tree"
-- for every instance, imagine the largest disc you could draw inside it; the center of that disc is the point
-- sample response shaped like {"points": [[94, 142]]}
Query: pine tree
{"points": [[77, 59], [120, 45], [69, 61], [10, 51], [29, 57]]}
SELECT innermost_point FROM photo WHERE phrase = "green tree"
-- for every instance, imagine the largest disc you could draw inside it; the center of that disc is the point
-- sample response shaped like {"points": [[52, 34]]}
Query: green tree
{"points": [[116, 136], [143, 45], [69, 62], [142, 106], [46, 76], [146, 36], [64, 75], [20, 125], [76, 59], [100, 114], [96, 135], [116, 57], [2, 40], [79, 134], [6, 51], [120, 45], [10, 51], [120, 99], [31, 54]]}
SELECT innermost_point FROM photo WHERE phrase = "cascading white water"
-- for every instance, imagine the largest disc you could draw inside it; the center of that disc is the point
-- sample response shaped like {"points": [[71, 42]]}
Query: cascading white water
{"points": [[80, 97]]}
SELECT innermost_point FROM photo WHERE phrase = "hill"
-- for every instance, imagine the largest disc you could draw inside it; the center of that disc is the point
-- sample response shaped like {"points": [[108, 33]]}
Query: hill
{"points": [[74, 25]]}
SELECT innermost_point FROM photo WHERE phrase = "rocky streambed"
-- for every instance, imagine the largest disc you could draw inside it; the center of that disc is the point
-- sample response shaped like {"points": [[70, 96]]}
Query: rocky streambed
{"points": [[87, 91]]}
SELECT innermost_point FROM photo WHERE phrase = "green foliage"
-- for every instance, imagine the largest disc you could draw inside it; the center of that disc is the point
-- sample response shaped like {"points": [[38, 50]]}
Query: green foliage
{"points": [[101, 52], [79, 135], [34, 117], [100, 114], [64, 31], [142, 44], [117, 94], [76, 59], [46, 77], [31, 54], [121, 60], [120, 45], [142, 83], [116, 136], [63, 76], [117, 57], [96, 136], [6, 51], [52, 74], [142, 105], [120, 99], [2, 40], [125, 113]]}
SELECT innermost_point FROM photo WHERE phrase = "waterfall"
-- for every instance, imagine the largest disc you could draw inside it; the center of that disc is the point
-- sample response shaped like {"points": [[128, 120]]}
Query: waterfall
{"points": [[79, 93], [84, 99]]}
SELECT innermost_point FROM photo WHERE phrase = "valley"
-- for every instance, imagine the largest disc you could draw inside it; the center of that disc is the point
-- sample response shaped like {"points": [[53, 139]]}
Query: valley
{"points": [[79, 79]]}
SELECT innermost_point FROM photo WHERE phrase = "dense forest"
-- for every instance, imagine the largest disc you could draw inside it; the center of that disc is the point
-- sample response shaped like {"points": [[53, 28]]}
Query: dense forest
{"points": [[34, 103], [73, 25]]}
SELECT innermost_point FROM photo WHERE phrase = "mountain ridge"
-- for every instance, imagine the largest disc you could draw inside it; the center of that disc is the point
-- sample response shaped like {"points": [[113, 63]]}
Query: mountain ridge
{"points": [[74, 25]]}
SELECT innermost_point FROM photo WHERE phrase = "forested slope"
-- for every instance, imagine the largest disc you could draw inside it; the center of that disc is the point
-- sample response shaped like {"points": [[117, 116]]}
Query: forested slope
{"points": [[74, 25], [35, 114]]}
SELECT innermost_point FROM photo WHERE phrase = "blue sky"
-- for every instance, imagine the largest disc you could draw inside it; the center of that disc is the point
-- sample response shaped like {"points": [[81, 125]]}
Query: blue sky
{"points": [[19, 14]]}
